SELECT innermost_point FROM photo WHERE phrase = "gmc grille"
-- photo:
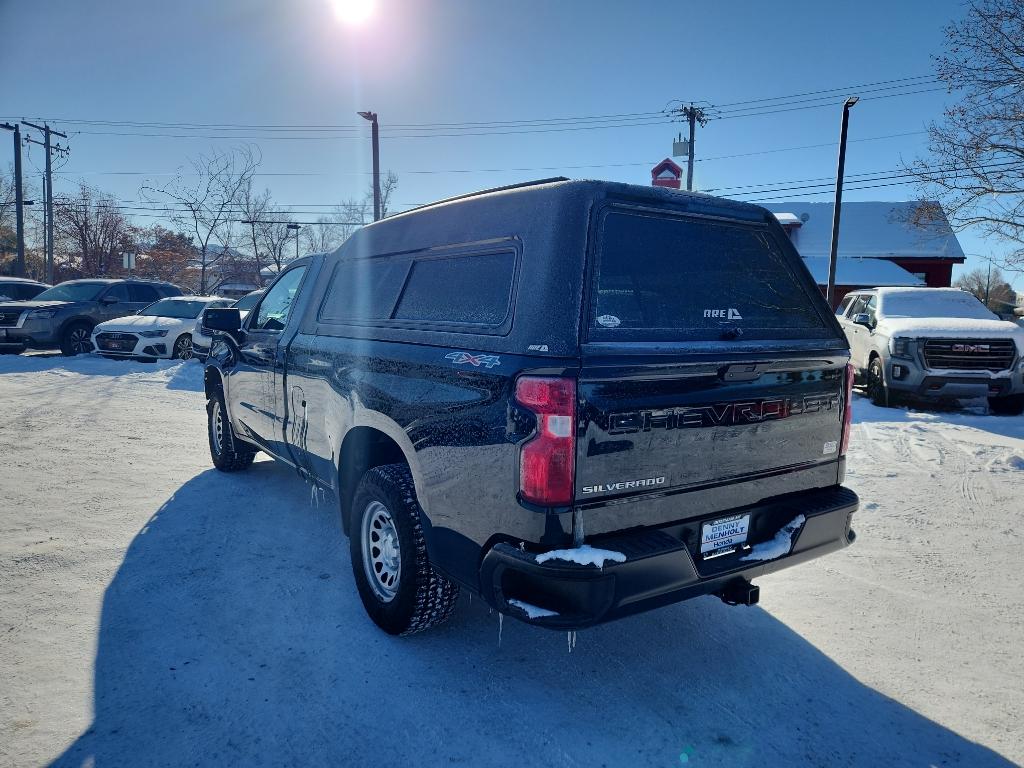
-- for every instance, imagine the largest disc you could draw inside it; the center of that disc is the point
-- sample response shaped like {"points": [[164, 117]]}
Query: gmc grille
{"points": [[969, 354], [9, 318]]}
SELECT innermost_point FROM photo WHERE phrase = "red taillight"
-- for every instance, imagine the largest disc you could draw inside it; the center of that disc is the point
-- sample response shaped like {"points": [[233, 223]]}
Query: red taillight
{"points": [[547, 461], [847, 411]]}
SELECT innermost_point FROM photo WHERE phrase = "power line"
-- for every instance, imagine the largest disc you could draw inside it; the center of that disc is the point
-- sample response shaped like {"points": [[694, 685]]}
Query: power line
{"points": [[517, 169], [732, 110]]}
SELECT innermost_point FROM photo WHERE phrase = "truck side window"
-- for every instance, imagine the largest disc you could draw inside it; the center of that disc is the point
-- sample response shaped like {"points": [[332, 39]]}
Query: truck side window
{"points": [[857, 307], [872, 309], [844, 305], [473, 289], [277, 304]]}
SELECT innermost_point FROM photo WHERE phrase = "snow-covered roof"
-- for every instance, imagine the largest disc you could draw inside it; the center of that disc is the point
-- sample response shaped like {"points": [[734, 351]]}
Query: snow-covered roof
{"points": [[247, 287], [787, 219], [870, 229], [862, 273]]}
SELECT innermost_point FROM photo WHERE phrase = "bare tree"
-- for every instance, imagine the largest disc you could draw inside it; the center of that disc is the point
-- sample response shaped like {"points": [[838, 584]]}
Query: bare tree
{"points": [[92, 231], [329, 232], [255, 208], [991, 288], [976, 172], [209, 207], [7, 198]]}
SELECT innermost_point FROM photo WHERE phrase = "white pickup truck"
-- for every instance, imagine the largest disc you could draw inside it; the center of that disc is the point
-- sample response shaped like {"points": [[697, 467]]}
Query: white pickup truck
{"points": [[934, 343]]}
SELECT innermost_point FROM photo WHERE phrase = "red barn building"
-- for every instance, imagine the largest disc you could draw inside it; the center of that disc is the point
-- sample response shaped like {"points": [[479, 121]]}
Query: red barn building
{"points": [[878, 246]]}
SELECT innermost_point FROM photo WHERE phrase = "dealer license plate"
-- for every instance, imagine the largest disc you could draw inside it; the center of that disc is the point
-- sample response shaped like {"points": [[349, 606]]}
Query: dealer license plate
{"points": [[725, 533]]}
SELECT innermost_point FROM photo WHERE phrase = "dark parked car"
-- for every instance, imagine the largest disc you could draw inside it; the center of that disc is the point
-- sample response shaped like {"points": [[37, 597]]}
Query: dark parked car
{"points": [[20, 288], [579, 400], [63, 317]]}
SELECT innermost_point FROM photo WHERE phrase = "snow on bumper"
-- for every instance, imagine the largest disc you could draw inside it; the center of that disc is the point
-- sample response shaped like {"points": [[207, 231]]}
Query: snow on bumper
{"points": [[659, 566]]}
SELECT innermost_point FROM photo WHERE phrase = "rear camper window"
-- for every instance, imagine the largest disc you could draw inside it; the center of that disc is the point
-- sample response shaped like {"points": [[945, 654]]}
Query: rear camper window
{"points": [[666, 278]]}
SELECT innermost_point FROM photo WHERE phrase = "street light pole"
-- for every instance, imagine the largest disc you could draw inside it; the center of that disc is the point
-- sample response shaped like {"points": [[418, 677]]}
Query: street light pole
{"points": [[19, 203], [375, 136], [830, 291], [296, 227]]}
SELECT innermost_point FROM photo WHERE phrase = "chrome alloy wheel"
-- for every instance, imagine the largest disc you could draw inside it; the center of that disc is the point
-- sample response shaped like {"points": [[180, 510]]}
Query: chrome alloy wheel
{"points": [[79, 341], [382, 555]]}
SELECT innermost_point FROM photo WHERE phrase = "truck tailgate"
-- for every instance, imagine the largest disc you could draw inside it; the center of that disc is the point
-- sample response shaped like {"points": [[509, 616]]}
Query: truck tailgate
{"points": [[677, 439]]}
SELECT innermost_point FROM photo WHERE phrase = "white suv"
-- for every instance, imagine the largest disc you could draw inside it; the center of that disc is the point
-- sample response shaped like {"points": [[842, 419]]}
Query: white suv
{"points": [[933, 342]]}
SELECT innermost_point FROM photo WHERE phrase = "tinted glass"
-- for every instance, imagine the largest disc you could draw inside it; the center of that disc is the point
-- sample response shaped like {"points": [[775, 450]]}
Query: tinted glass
{"points": [[180, 310], [365, 289], [72, 292], [142, 293], [473, 290], [277, 304], [248, 301], [120, 292], [665, 278], [844, 305]]}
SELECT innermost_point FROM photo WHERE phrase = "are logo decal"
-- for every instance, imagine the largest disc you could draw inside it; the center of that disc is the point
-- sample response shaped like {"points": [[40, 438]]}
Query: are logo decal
{"points": [[726, 314], [465, 358]]}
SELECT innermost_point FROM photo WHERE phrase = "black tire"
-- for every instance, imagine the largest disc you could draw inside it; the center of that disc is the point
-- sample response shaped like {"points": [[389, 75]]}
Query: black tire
{"points": [[420, 597], [75, 339], [1011, 405], [182, 349], [877, 391], [228, 454]]}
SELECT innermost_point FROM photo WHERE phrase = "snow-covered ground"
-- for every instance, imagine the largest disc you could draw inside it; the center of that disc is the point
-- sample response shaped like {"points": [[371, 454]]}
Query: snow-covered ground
{"points": [[156, 612]]}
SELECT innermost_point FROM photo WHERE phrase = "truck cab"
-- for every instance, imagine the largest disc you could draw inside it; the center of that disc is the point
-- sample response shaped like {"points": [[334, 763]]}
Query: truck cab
{"points": [[578, 400]]}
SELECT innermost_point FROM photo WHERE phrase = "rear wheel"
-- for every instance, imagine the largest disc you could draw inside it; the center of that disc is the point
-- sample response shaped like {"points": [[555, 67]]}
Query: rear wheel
{"points": [[75, 340], [877, 391], [228, 454], [1011, 405], [399, 587], [183, 348]]}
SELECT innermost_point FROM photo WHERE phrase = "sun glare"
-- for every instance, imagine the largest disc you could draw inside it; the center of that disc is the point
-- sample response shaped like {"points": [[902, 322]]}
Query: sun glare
{"points": [[353, 12]]}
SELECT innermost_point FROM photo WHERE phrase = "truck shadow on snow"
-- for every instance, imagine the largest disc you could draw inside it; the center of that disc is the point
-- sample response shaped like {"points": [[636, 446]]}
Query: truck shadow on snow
{"points": [[232, 635]]}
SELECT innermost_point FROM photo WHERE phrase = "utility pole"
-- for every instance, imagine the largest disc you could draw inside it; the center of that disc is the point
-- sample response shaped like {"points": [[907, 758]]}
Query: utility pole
{"points": [[988, 285], [19, 203], [295, 227], [693, 115], [830, 290], [48, 188], [375, 138]]}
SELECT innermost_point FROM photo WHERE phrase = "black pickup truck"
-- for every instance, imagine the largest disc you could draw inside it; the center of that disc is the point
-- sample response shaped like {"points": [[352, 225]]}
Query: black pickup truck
{"points": [[579, 400]]}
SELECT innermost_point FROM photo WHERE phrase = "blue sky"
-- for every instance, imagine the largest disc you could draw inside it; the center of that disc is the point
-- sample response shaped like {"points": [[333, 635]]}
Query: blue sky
{"points": [[460, 61]]}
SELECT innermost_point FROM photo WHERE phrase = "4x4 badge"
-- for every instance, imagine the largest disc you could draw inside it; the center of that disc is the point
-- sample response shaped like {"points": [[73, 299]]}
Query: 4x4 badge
{"points": [[462, 358]]}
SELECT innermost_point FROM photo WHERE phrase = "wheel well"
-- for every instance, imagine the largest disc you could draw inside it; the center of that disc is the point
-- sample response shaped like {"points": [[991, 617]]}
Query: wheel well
{"points": [[362, 449], [212, 382], [75, 321]]}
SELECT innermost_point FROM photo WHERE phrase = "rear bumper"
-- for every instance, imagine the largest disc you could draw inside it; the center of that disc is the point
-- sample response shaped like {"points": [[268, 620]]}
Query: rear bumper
{"points": [[662, 565]]}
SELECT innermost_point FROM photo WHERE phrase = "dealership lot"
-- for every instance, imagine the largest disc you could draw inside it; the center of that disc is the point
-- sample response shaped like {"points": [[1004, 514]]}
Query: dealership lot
{"points": [[155, 611]]}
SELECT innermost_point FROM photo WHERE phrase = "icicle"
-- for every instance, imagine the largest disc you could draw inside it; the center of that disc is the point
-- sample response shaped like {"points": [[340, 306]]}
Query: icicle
{"points": [[570, 639], [501, 617]]}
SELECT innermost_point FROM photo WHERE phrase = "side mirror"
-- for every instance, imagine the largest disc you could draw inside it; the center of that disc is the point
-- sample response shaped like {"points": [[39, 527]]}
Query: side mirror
{"points": [[862, 319], [222, 320], [110, 300]]}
